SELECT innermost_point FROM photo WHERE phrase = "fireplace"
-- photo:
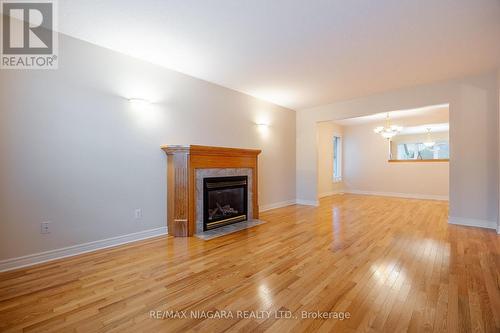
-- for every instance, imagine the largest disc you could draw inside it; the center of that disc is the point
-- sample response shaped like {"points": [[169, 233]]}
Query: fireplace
{"points": [[225, 201], [187, 166]]}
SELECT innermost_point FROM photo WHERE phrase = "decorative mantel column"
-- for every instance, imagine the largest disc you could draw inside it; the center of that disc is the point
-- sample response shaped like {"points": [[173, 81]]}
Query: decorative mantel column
{"points": [[181, 182]]}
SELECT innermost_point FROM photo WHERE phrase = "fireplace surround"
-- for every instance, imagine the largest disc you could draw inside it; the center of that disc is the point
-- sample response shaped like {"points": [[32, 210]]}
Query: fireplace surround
{"points": [[188, 165], [203, 173]]}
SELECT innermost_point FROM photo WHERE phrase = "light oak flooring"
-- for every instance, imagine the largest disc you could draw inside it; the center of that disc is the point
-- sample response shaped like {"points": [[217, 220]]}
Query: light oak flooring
{"points": [[394, 264]]}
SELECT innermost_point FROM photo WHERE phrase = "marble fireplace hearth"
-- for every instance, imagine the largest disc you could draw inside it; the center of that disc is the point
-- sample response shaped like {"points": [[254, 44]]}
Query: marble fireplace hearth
{"points": [[228, 229]]}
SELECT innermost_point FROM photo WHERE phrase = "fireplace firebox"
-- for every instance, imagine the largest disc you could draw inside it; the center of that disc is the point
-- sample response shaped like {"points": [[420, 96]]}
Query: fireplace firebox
{"points": [[225, 201]]}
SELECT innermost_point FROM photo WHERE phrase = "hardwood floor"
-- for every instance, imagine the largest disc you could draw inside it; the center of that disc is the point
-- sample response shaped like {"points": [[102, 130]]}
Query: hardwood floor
{"points": [[394, 264]]}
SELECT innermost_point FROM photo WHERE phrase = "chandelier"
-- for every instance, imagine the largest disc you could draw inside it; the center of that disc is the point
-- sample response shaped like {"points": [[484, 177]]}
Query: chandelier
{"points": [[389, 130], [429, 143]]}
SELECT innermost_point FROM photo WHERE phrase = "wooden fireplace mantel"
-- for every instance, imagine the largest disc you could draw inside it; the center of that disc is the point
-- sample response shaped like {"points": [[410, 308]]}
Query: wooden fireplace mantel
{"points": [[182, 162]]}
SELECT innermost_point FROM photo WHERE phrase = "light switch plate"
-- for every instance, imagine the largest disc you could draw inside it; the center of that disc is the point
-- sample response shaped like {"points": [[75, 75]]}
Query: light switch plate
{"points": [[138, 214], [45, 227]]}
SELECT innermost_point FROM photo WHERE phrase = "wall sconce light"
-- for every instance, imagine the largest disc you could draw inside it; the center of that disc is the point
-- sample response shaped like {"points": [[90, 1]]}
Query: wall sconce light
{"points": [[263, 129], [139, 102]]}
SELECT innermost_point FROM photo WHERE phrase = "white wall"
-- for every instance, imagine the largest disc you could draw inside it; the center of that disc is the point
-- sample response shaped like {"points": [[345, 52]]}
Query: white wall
{"points": [[367, 170], [473, 132], [326, 131], [74, 152]]}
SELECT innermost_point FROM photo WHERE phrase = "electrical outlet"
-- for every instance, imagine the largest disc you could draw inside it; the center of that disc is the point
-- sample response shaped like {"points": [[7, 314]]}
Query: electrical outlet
{"points": [[138, 214], [45, 227]]}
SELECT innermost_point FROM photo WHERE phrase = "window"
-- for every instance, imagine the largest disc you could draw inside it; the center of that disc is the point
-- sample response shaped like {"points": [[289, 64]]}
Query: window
{"points": [[419, 151], [337, 159]]}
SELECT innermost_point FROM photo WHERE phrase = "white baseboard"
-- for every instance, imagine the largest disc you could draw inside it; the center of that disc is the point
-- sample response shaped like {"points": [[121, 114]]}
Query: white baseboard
{"points": [[275, 205], [307, 202], [401, 195], [468, 222], [281, 204], [327, 194], [38, 258]]}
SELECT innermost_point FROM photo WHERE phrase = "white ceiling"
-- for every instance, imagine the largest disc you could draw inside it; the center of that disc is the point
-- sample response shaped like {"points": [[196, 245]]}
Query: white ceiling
{"points": [[440, 110], [298, 53], [435, 128]]}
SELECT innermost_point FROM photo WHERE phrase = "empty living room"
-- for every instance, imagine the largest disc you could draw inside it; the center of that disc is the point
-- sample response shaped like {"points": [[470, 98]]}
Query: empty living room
{"points": [[249, 166]]}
